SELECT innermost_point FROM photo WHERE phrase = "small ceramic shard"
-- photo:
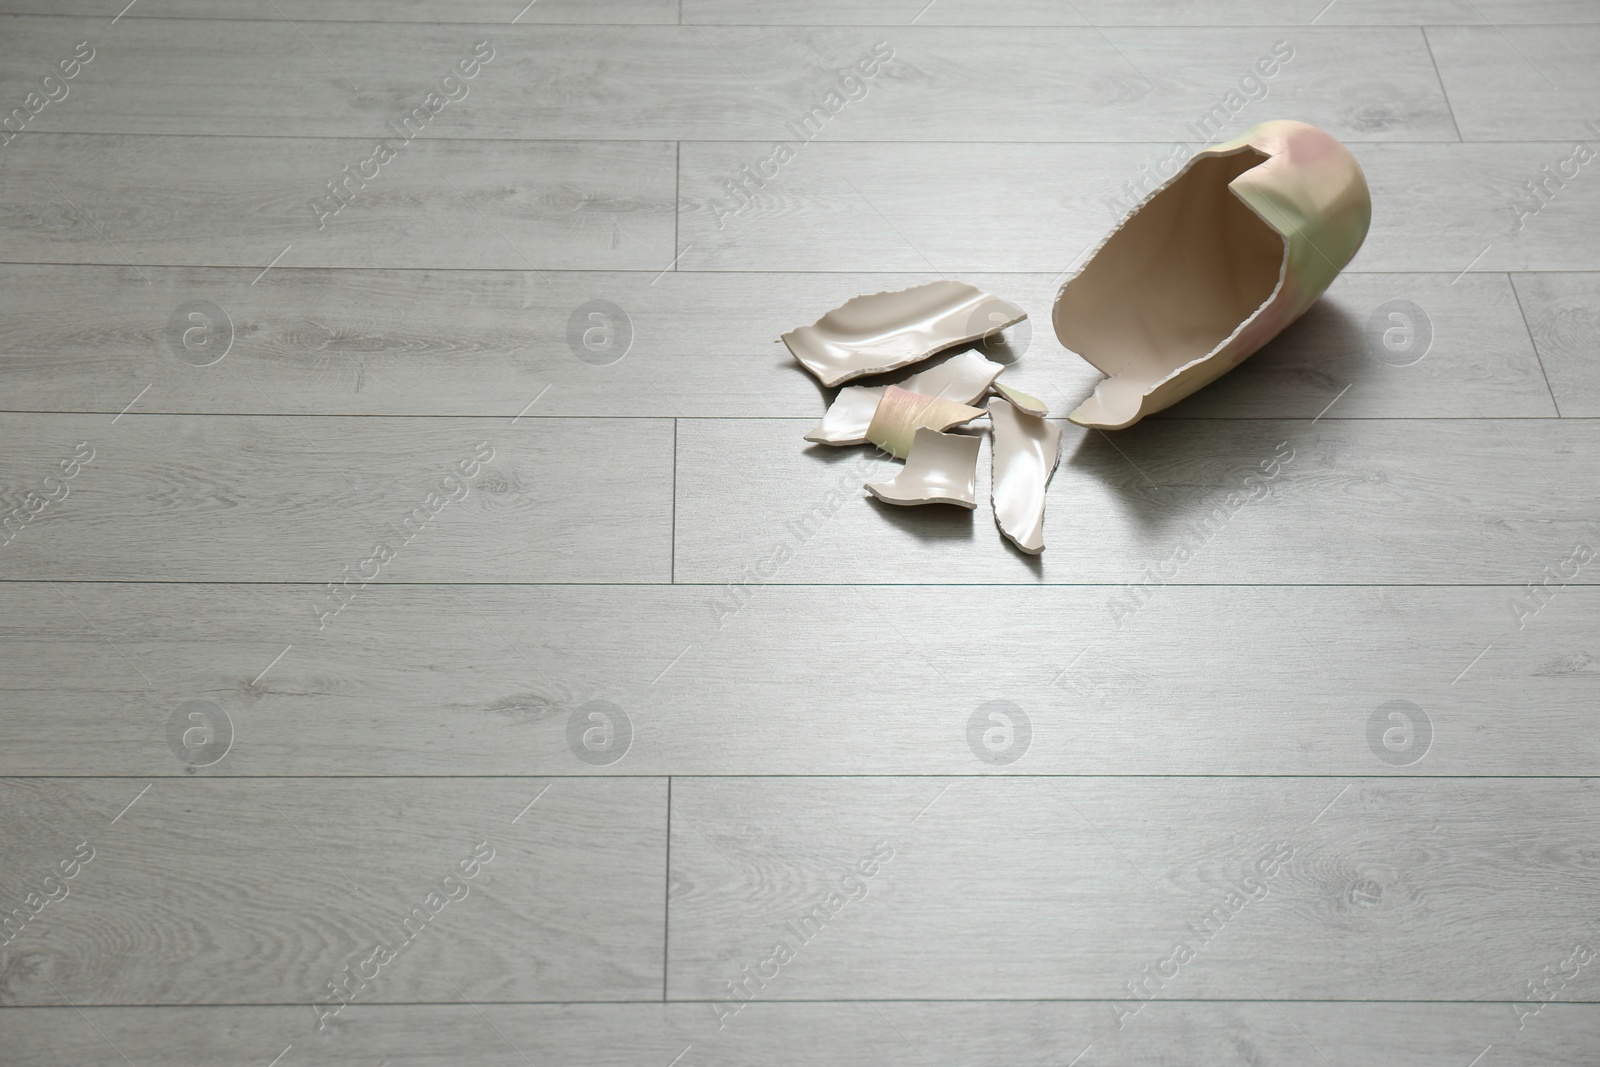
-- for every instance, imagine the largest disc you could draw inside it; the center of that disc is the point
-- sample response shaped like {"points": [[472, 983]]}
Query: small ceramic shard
{"points": [[1025, 452], [941, 469], [962, 378], [901, 414], [883, 331], [1026, 402], [848, 417], [1211, 266]]}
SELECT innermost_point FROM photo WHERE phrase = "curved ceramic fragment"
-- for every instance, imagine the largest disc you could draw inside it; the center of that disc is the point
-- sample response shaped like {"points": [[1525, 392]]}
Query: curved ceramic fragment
{"points": [[962, 378], [1211, 266], [1025, 452], [1025, 402], [847, 418], [941, 469], [901, 414], [882, 331]]}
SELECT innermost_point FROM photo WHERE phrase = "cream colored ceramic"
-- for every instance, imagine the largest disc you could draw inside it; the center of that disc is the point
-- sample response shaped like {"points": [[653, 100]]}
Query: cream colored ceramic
{"points": [[1025, 451], [901, 414], [1025, 402], [941, 469], [884, 331], [962, 378], [1212, 266]]}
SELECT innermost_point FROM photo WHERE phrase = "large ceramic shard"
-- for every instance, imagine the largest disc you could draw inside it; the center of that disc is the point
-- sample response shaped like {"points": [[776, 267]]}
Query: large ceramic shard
{"points": [[1025, 452], [941, 469], [1211, 266], [901, 414], [962, 378], [884, 331]]}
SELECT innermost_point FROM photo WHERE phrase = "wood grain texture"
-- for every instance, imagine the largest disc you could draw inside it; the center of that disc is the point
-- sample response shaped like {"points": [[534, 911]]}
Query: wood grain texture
{"points": [[886, 1034], [262, 892], [334, 342], [1468, 356], [1563, 312], [800, 680], [851, 12], [168, 498], [1434, 502], [1522, 83], [1105, 13], [1447, 207], [244, 201], [1460, 207], [500, 12], [1384, 663], [727, 83], [1071, 888]]}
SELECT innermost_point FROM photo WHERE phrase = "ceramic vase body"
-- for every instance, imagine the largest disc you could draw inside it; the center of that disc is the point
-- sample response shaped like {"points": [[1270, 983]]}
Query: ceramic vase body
{"points": [[1211, 266]]}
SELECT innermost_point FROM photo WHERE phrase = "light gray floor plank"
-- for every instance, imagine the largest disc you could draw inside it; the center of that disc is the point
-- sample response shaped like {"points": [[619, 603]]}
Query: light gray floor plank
{"points": [[499, 12], [262, 892], [1523, 83], [1447, 207], [729, 83], [680, 344], [1457, 207], [800, 680], [1071, 888], [853, 1035], [1467, 355], [1447, 501], [245, 201], [1209, 13], [1243, 686], [1287, 13], [1563, 312], [272, 498]]}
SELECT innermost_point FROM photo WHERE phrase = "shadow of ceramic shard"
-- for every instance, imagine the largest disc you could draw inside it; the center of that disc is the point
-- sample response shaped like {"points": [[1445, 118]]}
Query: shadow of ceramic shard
{"points": [[1025, 451], [962, 378], [942, 468], [900, 414], [881, 332], [1211, 266]]}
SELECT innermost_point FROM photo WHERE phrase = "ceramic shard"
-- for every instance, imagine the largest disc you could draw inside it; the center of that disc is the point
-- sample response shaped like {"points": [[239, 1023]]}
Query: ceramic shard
{"points": [[1025, 402], [884, 331], [962, 378], [1211, 266], [900, 414], [1025, 451], [941, 469]]}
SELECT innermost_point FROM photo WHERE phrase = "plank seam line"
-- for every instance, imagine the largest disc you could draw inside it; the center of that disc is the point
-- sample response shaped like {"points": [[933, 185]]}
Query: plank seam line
{"points": [[1145, 26], [1533, 342], [1443, 92]]}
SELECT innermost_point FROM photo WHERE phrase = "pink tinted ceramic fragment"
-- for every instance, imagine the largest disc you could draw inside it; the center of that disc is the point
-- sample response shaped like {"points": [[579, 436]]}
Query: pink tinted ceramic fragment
{"points": [[941, 469], [1025, 451], [900, 414], [1211, 266], [884, 331], [962, 378]]}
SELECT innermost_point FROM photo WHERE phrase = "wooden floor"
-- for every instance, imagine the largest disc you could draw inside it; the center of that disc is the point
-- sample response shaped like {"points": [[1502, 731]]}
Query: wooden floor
{"points": [[391, 677]]}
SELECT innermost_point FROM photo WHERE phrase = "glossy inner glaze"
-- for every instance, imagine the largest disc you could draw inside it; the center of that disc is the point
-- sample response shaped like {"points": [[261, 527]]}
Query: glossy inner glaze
{"points": [[1174, 281]]}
